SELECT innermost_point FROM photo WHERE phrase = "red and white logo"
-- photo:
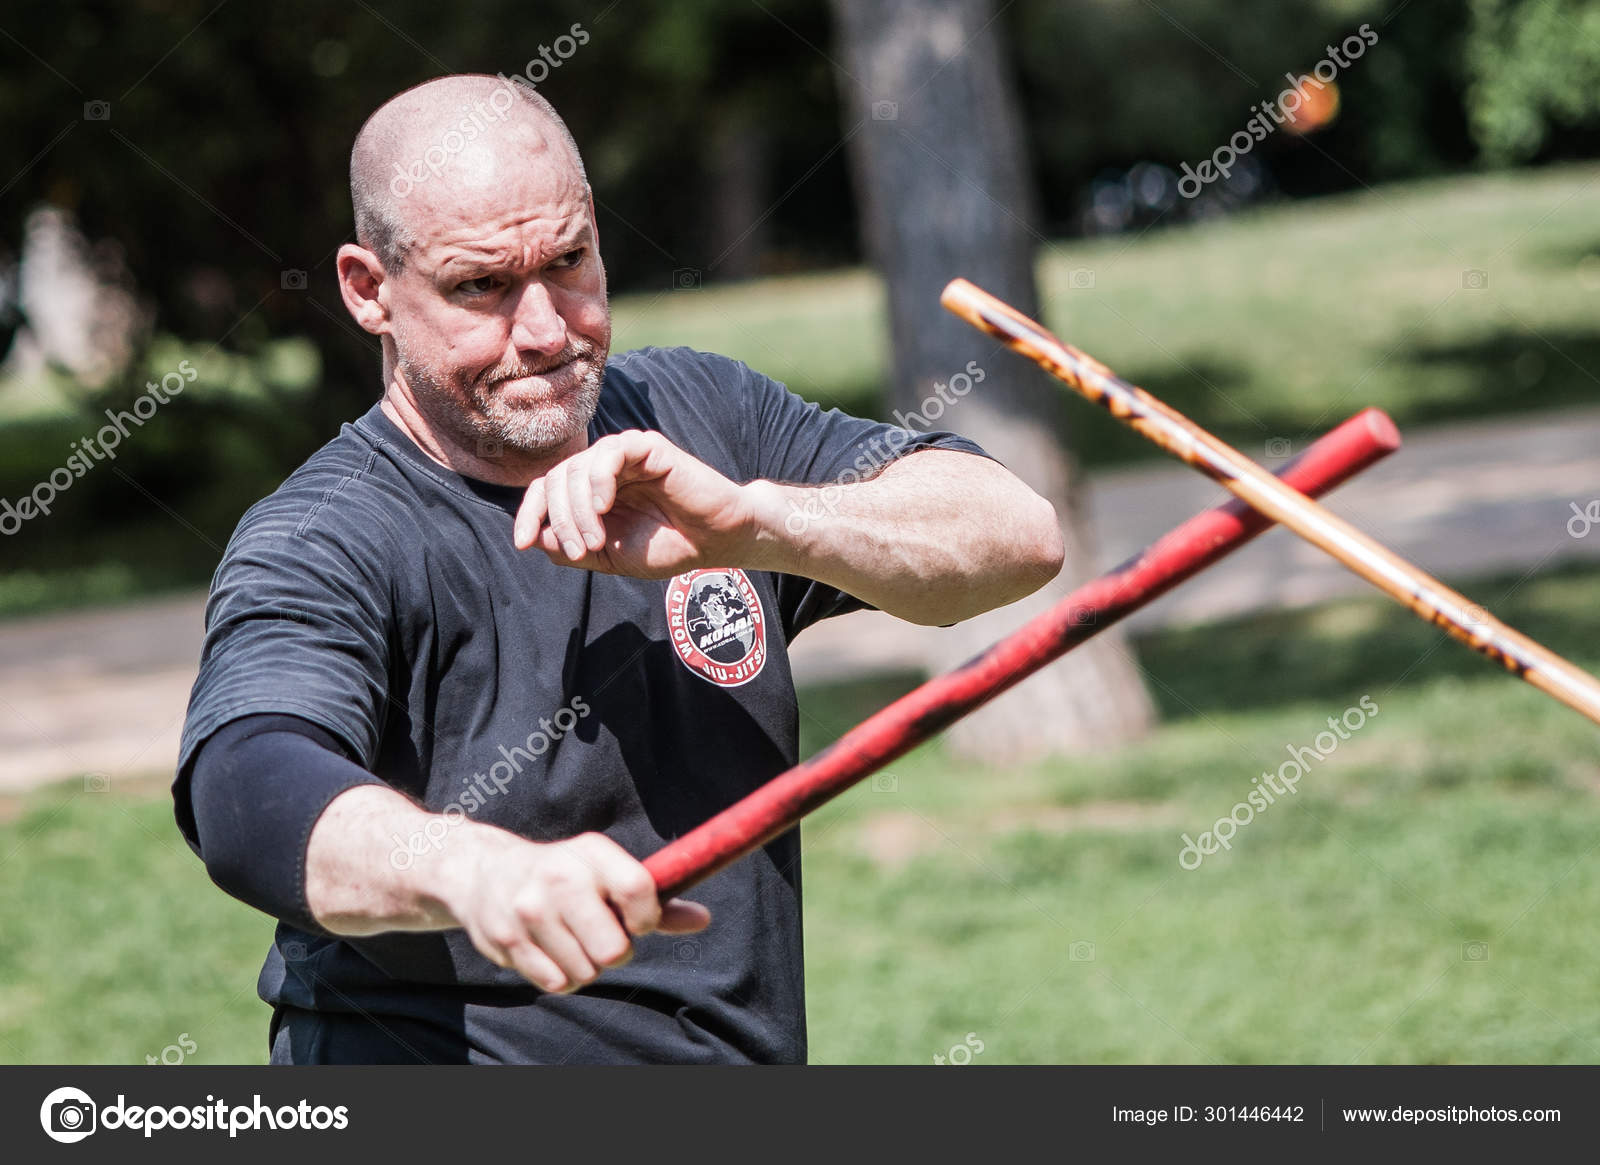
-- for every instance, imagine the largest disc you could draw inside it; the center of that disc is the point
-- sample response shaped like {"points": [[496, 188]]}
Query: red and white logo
{"points": [[717, 626]]}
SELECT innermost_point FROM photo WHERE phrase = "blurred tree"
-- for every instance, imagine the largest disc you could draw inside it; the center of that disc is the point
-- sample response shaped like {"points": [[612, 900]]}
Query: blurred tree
{"points": [[1535, 77], [945, 189]]}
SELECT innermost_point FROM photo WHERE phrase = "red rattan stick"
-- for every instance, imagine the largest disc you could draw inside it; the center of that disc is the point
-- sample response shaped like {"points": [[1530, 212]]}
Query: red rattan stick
{"points": [[920, 714]]}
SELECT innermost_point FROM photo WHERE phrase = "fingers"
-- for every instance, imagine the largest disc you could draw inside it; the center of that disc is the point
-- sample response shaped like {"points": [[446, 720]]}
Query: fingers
{"points": [[530, 516], [577, 914], [563, 510], [558, 502], [535, 966], [680, 917], [626, 885]]}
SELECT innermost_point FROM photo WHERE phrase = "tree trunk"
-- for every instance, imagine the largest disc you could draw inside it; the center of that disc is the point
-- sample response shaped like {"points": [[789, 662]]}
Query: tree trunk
{"points": [[737, 227], [944, 189]]}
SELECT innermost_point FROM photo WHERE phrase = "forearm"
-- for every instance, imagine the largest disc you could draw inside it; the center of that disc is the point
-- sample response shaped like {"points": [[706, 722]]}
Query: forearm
{"points": [[378, 862], [937, 537], [288, 823], [557, 913]]}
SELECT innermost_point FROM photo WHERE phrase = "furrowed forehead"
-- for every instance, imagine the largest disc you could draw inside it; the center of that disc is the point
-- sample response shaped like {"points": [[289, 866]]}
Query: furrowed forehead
{"points": [[519, 240], [538, 212], [493, 185]]}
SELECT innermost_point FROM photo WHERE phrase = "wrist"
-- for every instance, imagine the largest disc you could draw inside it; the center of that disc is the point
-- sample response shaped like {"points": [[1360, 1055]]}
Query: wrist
{"points": [[449, 883], [780, 520]]}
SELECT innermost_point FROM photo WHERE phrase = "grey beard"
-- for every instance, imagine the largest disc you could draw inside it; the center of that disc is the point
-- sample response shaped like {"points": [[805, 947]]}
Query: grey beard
{"points": [[490, 428], [541, 430]]}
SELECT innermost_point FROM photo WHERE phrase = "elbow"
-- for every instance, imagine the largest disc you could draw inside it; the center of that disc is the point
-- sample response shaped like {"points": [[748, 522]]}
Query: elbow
{"points": [[1040, 548]]}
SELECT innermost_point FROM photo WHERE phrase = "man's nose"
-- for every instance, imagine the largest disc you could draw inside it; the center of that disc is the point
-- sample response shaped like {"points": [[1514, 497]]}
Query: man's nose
{"points": [[538, 326]]}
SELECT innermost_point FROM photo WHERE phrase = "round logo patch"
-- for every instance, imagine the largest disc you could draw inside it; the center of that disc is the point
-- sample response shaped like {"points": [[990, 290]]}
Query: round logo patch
{"points": [[717, 626]]}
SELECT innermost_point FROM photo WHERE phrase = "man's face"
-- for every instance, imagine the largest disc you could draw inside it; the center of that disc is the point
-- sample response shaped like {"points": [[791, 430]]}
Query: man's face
{"points": [[499, 316]]}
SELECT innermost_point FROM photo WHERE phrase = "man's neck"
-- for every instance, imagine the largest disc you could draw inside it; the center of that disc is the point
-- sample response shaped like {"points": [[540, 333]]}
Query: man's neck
{"points": [[489, 462]]}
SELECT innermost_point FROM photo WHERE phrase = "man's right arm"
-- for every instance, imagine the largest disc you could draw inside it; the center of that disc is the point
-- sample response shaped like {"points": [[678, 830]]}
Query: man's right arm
{"points": [[286, 822], [558, 913]]}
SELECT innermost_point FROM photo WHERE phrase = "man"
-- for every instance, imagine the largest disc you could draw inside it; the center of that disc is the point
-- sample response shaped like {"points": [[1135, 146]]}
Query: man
{"points": [[527, 619]]}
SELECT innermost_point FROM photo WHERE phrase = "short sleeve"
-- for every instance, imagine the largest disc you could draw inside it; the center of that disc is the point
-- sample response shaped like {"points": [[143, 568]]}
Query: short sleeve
{"points": [[793, 440], [296, 624]]}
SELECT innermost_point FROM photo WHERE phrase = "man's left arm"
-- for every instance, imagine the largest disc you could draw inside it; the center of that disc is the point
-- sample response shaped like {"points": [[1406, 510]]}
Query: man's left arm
{"points": [[936, 537]]}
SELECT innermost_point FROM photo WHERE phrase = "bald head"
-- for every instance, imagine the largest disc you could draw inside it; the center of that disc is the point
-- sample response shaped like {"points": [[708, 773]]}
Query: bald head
{"points": [[445, 139]]}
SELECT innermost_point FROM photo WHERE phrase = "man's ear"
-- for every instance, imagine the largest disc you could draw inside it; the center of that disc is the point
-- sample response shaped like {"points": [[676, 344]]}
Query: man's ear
{"points": [[362, 285]]}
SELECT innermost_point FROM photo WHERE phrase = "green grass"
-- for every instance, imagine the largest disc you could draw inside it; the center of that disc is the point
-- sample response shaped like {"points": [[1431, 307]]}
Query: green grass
{"points": [[113, 942], [1334, 929], [1273, 324], [1465, 811]]}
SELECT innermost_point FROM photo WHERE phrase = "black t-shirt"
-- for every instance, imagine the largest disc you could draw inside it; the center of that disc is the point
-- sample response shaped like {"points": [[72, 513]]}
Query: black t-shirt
{"points": [[378, 595]]}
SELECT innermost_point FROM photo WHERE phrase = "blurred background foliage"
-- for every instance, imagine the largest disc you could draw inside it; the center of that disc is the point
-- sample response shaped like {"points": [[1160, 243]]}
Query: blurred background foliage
{"points": [[713, 135]]}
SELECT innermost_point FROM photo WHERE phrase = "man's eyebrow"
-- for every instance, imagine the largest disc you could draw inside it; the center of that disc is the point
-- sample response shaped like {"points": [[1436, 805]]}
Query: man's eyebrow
{"points": [[581, 235]]}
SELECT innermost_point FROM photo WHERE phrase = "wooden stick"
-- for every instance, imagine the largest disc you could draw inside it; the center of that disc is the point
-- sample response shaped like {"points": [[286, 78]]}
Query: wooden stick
{"points": [[1246, 480]]}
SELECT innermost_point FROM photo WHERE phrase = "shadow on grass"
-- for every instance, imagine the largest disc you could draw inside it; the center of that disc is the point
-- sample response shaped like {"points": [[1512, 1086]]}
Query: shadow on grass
{"points": [[1280, 658], [1358, 645], [1510, 371]]}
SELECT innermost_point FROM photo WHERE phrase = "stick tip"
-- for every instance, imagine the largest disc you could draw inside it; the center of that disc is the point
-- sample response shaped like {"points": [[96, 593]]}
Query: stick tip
{"points": [[958, 293], [1384, 432]]}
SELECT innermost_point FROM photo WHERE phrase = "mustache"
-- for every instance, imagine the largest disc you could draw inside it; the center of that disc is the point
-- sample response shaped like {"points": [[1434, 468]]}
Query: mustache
{"points": [[503, 372]]}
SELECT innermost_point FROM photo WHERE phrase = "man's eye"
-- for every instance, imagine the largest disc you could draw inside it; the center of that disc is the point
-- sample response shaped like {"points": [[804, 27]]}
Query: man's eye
{"points": [[482, 285], [571, 259]]}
